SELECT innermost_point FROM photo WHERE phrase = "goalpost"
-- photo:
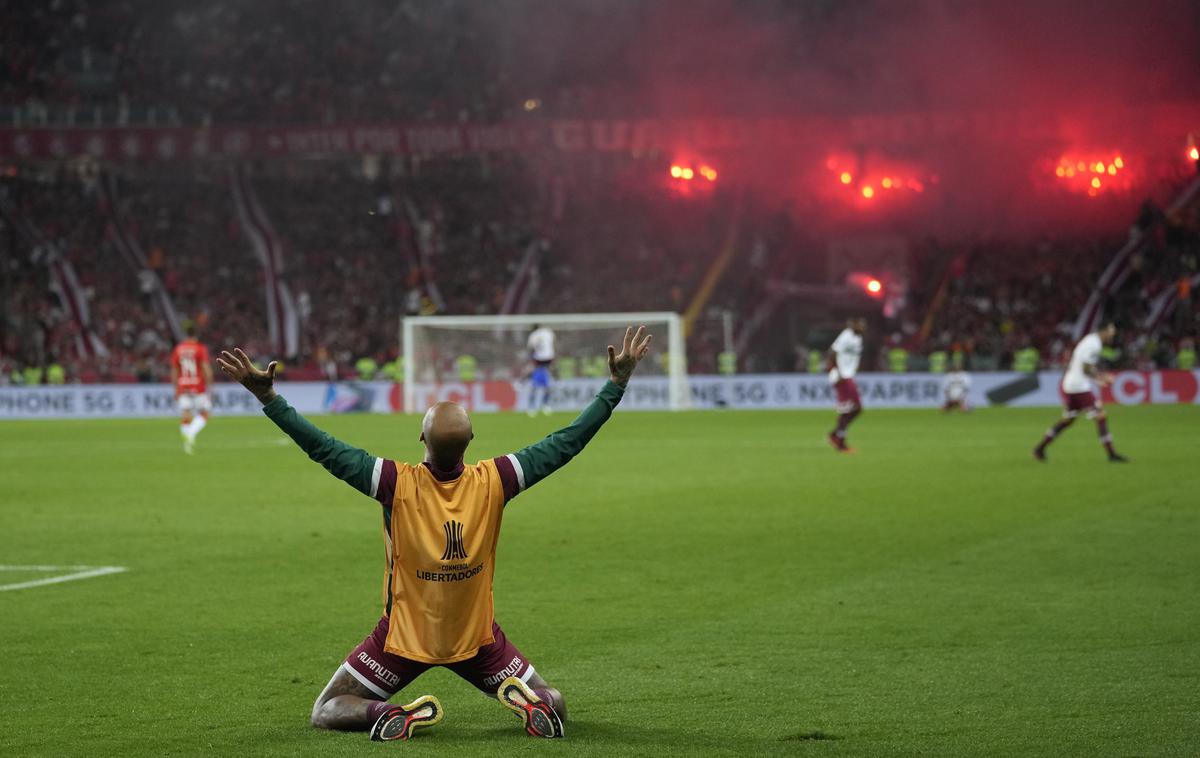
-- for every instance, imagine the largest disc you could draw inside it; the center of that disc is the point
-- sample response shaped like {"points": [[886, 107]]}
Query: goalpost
{"points": [[440, 349]]}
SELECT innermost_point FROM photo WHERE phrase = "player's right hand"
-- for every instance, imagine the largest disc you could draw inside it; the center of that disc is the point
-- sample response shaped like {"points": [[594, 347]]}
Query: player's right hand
{"points": [[633, 349], [237, 366]]}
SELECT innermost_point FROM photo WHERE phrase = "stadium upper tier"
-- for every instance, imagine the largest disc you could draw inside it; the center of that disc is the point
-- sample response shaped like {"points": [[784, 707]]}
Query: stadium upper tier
{"points": [[237, 62], [291, 61]]}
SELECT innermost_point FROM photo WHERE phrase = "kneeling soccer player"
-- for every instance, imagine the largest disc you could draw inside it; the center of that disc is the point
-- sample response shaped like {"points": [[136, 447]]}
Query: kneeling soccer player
{"points": [[955, 389], [441, 524]]}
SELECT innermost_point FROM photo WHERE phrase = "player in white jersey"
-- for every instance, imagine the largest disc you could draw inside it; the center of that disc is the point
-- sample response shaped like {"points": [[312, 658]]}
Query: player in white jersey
{"points": [[1079, 385], [955, 388], [541, 353], [845, 354]]}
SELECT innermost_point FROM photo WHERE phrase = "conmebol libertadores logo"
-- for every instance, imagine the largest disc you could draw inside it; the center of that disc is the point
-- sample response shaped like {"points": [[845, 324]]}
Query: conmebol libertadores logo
{"points": [[454, 542]]}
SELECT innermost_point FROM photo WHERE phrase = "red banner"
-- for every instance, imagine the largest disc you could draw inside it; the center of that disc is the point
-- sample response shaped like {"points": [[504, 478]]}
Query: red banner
{"points": [[567, 136], [634, 135], [233, 142]]}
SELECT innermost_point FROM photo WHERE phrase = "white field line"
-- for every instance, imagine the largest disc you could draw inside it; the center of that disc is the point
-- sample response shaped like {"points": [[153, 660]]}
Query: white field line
{"points": [[75, 572]]}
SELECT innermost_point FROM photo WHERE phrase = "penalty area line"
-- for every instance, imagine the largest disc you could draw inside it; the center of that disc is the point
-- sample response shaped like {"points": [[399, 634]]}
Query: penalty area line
{"points": [[74, 573]]}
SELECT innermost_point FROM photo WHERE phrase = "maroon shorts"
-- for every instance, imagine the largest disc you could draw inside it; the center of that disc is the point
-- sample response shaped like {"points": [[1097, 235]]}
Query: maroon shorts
{"points": [[847, 395], [1076, 402], [386, 674]]}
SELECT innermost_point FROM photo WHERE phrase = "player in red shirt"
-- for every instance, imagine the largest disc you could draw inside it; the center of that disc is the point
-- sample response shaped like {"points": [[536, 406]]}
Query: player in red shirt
{"points": [[191, 373]]}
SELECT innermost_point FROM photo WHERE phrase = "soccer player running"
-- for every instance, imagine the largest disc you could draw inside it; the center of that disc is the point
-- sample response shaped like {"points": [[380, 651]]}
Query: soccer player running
{"points": [[1078, 391], [441, 525], [845, 355], [541, 352], [191, 374]]}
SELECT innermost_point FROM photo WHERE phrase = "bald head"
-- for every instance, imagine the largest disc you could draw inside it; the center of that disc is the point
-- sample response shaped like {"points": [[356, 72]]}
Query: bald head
{"points": [[446, 432]]}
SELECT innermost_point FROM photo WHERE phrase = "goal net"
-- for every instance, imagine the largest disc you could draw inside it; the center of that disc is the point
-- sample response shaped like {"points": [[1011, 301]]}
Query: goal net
{"points": [[464, 358]]}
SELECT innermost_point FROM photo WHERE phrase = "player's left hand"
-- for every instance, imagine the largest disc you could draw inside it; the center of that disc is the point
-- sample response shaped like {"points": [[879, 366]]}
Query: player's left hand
{"points": [[633, 349], [237, 366], [1106, 379]]}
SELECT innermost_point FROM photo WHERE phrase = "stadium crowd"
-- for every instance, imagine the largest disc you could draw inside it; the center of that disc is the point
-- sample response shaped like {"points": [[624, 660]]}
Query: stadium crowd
{"points": [[361, 248], [359, 252], [1013, 305], [364, 244]]}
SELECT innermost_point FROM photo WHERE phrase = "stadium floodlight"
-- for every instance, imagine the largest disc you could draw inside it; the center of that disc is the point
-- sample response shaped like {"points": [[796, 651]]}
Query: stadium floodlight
{"points": [[434, 348]]}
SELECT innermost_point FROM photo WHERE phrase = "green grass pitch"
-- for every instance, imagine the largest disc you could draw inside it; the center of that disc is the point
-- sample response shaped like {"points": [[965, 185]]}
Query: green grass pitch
{"points": [[696, 584]]}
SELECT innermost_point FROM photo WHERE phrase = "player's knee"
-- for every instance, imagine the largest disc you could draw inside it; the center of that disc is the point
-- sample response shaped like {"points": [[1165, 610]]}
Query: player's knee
{"points": [[319, 718]]}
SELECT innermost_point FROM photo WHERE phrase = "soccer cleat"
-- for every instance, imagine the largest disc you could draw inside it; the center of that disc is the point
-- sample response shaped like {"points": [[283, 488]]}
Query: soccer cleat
{"points": [[546, 410], [399, 722], [1039, 455], [839, 444], [539, 718], [188, 443], [1117, 458]]}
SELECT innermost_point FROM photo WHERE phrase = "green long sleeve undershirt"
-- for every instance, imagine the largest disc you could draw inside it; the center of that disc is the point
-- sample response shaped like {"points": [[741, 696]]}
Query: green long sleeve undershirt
{"points": [[543, 458], [350, 464], [355, 466]]}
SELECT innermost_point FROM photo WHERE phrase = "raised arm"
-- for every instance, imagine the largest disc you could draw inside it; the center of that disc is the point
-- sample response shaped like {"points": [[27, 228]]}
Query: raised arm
{"points": [[541, 459], [353, 466]]}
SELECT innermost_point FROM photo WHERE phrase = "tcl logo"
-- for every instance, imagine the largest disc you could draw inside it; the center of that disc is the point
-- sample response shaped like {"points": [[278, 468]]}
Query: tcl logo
{"points": [[474, 396], [1139, 387]]}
